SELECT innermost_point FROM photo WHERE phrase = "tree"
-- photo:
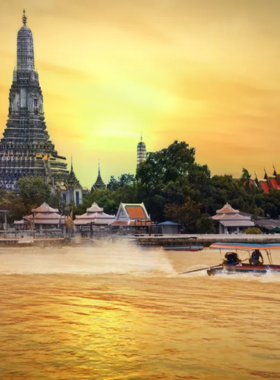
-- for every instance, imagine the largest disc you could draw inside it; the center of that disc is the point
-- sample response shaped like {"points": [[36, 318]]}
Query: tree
{"points": [[246, 179], [167, 165], [205, 225], [187, 215], [34, 191], [123, 180], [14, 204]]}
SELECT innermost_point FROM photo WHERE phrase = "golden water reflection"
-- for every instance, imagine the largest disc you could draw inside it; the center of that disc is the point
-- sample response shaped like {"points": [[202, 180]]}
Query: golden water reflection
{"points": [[146, 323]]}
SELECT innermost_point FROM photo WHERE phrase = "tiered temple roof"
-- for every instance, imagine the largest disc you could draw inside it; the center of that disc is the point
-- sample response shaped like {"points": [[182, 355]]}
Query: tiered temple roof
{"points": [[229, 217], [95, 216], [99, 184], [43, 215], [25, 148]]}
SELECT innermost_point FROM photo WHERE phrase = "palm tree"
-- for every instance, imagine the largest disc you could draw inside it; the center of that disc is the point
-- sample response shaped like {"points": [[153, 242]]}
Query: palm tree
{"points": [[246, 179]]}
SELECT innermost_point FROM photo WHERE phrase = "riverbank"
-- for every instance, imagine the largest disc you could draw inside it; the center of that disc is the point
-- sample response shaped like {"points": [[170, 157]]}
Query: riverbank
{"points": [[205, 240]]}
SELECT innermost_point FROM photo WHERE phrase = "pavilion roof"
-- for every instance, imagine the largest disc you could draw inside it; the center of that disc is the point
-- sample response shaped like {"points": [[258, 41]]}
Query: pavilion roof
{"points": [[94, 208], [44, 208], [236, 216], [227, 209]]}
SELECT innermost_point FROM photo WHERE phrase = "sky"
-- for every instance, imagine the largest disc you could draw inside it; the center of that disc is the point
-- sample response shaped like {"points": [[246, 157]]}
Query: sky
{"points": [[201, 71]]}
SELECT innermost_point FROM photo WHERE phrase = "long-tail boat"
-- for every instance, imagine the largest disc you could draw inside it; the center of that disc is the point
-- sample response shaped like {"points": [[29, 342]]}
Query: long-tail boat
{"points": [[240, 266]]}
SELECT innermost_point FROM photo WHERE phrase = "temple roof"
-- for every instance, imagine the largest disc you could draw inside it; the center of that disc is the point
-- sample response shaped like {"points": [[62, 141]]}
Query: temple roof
{"points": [[99, 184], [227, 209], [135, 212], [44, 208], [264, 186], [236, 216], [132, 211], [94, 208], [71, 180]]}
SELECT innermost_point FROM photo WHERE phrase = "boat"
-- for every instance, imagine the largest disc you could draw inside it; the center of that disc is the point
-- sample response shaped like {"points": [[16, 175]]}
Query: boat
{"points": [[190, 248], [241, 267]]}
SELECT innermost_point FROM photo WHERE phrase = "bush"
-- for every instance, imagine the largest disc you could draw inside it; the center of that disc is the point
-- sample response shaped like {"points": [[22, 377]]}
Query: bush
{"points": [[253, 231]]}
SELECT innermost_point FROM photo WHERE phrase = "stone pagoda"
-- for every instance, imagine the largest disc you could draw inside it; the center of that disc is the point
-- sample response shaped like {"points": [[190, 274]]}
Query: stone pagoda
{"points": [[26, 149]]}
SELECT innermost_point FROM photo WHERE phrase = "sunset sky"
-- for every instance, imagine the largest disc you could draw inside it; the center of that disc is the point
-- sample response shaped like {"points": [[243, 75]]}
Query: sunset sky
{"points": [[203, 71]]}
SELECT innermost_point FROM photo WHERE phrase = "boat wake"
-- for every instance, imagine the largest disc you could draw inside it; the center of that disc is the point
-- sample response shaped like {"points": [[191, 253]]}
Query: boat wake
{"points": [[111, 258]]}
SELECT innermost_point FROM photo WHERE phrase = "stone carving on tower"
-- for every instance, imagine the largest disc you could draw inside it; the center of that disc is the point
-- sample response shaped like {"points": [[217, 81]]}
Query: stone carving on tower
{"points": [[26, 149]]}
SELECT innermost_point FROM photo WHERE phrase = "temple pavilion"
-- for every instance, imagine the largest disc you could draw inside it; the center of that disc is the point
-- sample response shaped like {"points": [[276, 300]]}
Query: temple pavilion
{"points": [[42, 218], [132, 216], [230, 220], [94, 216]]}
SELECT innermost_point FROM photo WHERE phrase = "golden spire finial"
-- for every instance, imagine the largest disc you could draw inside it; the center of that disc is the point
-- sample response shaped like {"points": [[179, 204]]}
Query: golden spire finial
{"points": [[24, 18]]}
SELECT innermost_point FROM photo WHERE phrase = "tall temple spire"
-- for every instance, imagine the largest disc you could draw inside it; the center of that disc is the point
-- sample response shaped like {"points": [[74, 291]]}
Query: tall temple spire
{"points": [[25, 139], [25, 50], [24, 18], [141, 151], [99, 184]]}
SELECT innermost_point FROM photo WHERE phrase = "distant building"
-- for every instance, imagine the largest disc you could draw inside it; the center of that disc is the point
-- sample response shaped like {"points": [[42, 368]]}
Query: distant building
{"points": [[132, 216], [94, 216], [99, 184], [169, 228], [71, 190], [230, 220], [141, 152]]}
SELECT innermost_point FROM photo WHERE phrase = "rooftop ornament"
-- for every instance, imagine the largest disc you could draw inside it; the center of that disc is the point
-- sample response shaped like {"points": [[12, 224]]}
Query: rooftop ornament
{"points": [[24, 18]]}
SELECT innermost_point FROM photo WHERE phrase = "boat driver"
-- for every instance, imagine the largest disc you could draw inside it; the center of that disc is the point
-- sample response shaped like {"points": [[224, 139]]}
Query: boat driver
{"points": [[256, 258], [231, 258]]}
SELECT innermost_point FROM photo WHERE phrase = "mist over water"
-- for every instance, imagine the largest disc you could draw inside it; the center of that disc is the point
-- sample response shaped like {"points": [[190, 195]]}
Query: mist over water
{"points": [[118, 311]]}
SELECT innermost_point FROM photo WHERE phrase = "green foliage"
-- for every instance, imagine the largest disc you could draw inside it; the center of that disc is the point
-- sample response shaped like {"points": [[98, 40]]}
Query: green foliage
{"points": [[205, 225], [122, 181], [253, 231], [14, 204], [186, 214], [34, 191]]}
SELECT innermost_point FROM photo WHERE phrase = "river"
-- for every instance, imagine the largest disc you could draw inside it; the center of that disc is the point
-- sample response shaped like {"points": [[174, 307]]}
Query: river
{"points": [[117, 311]]}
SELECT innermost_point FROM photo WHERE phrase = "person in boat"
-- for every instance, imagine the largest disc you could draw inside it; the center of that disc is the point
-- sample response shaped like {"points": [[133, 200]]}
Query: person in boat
{"points": [[256, 258], [231, 258]]}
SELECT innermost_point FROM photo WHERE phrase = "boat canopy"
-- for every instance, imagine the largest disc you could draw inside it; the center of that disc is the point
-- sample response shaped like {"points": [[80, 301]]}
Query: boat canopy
{"points": [[245, 246]]}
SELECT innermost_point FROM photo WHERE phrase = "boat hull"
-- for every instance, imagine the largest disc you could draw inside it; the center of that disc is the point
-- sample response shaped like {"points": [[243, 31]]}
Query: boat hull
{"points": [[245, 268], [192, 248]]}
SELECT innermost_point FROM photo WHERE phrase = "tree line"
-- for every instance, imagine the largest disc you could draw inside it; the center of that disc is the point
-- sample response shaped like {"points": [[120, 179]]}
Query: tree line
{"points": [[172, 185]]}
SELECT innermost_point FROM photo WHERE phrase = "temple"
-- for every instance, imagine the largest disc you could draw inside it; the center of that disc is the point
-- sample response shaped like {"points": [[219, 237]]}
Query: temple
{"points": [[71, 189], [99, 184], [269, 182], [141, 152], [230, 220], [26, 149]]}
